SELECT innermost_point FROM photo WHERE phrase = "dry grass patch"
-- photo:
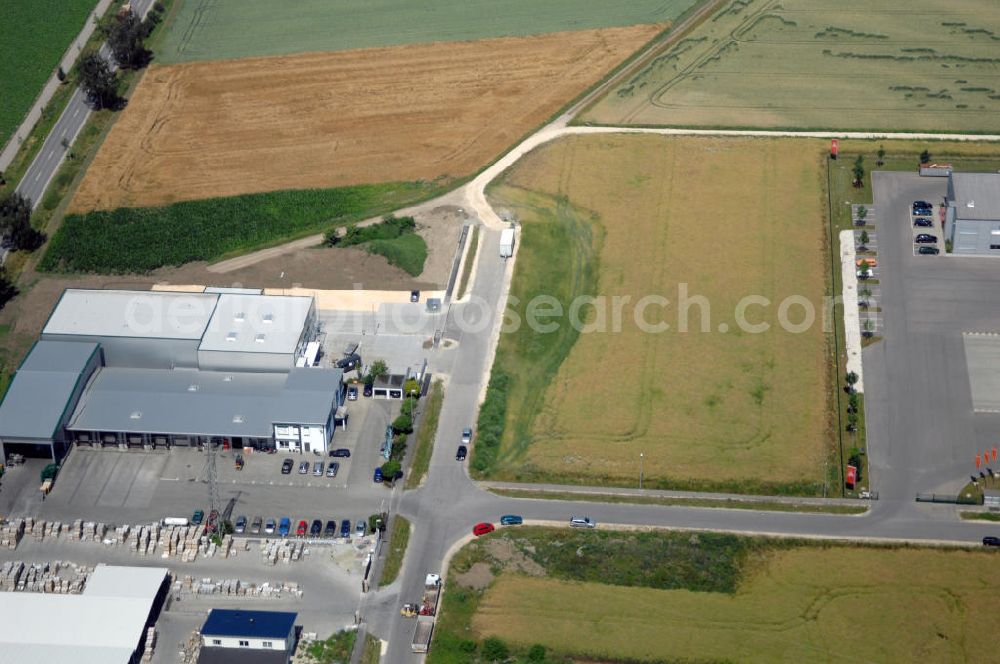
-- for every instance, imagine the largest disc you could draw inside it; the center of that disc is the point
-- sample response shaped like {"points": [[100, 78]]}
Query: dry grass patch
{"points": [[723, 219], [802, 605], [323, 120]]}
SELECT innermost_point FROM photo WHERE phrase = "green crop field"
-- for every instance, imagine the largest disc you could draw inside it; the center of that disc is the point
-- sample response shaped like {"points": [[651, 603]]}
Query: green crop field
{"points": [[922, 65], [708, 402], [792, 604], [33, 37], [225, 29], [137, 240]]}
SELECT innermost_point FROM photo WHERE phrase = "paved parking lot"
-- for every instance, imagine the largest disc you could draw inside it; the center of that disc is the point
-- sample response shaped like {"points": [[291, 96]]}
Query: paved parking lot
{"points": [[918, 399]]}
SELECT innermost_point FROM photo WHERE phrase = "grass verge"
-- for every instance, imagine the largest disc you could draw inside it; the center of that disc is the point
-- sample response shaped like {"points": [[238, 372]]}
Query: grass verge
{"points": [[399, 538], [425, 436], [725, 503], [980, 516], [334, 650], [372, 653], [470, 258], [136, 240]]}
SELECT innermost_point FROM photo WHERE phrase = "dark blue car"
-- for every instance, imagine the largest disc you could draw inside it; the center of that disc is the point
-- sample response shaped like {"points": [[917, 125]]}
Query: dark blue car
{"points": [[345, 528]]}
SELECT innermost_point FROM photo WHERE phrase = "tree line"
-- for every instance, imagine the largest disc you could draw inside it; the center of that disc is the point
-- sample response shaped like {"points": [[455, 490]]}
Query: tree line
{"points": [[125, 36]]}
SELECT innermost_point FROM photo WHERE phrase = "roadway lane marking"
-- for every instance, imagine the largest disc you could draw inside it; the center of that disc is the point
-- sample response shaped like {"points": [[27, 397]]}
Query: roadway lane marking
{"points": [[76, 112]]}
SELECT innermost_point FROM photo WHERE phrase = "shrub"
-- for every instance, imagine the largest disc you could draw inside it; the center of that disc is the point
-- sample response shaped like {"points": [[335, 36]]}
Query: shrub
{"points": [[490, 424], [495, 649], [536, 653], [402, 424]]}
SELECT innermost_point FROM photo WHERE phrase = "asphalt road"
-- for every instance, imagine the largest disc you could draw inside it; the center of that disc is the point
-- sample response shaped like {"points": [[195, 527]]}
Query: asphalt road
{"points": [[41, 171]]}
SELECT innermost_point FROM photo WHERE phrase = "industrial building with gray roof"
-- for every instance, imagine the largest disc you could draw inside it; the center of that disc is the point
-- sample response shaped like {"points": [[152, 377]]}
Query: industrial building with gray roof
{"points": [[972, 218], [156, 368]]}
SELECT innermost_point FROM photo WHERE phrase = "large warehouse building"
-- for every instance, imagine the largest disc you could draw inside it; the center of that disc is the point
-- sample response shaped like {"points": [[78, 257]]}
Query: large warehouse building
{"points": [[106, 624], [156, 369], [973, 213]]}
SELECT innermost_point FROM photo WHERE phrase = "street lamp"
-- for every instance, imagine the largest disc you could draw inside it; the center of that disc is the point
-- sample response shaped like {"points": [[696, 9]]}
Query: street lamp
{"points": [[641, 455]]}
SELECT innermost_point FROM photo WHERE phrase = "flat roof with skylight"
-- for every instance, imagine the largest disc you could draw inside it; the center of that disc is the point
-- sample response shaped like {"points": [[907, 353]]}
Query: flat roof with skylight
{"points": [[257, 324]]}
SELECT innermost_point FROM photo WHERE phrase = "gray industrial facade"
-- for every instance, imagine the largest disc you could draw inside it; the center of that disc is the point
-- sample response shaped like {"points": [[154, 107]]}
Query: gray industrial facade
{"points": [[973, 213], [157, 369]]}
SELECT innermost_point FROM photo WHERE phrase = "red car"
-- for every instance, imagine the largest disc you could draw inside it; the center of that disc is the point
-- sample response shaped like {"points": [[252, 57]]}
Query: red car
{"points": [[303, 527], [482, 529]]}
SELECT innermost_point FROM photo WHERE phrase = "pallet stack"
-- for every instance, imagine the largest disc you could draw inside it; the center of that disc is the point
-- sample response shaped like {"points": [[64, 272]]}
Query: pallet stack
{"points": [[11, 533]]}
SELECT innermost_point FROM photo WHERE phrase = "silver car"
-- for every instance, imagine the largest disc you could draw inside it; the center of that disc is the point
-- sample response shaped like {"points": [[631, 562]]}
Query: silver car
{"points": [[318, 469], [582, 522]]}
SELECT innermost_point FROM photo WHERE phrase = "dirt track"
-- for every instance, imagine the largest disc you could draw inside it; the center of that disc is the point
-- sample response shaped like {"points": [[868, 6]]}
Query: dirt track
{"points": [[328, 119]]}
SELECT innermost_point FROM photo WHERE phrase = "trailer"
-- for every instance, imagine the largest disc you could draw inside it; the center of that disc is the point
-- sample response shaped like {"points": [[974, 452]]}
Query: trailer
{"points": [[507, 243], [427, 614]]}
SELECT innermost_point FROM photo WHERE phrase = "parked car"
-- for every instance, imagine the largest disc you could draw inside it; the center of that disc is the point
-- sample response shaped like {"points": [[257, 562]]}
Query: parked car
{"points": [[340, 452], [377, 476], [360, 528], [414, 296], [462, 452], [256, 524], [331, 470], [990, 540], [348, 362], [511, 520], [866, 273], [198, 517], [213, 521], [303, 468], [285, 526], [582, 522], [345, 528], [331, 528], [921, 204], [925, 238], [922, 212], [482, 529], [318, 469], [241, 525], [367, 391], [928, 251], [869, 262], [303, 526], [286, 466], [466, 436], [352, 393], [269, 527], [316, 528], [923, 222]]}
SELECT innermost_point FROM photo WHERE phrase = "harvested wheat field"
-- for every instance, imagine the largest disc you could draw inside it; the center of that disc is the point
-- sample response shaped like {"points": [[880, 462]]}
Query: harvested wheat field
{"points": [[403, 113]]}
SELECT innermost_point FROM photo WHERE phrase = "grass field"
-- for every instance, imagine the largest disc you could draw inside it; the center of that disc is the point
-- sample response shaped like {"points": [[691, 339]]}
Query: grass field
{"points": [[399, 539], [426, 431], [853, 64], [137, 240], [704, 597], [328, 120], [33, 37], [226, 29], [718, 406]]}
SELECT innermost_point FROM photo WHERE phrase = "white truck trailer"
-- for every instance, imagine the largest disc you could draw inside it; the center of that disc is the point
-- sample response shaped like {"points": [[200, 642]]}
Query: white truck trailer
{"points": [[507, 243]]}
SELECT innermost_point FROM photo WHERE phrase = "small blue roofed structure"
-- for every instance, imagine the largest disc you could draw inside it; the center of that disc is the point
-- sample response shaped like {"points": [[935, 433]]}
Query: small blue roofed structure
{"points": [[247, 636]]}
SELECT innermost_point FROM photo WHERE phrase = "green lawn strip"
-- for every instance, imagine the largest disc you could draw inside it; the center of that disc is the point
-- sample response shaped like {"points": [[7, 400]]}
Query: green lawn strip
{"points": [[33, 38], [980, 516], [136, 240], [470, 258], [334, 650], [372, 653], [727, 503], [426, 431], [227, 29], [559, 257], [399, 538]]}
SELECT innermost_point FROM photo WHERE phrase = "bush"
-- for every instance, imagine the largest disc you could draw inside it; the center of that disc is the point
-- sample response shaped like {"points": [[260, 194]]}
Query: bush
{"points": [[495, 649], [402, 424], [407, 408], [137, 240], [536, 653], [391, 470], [408, 253], [389, 228]]}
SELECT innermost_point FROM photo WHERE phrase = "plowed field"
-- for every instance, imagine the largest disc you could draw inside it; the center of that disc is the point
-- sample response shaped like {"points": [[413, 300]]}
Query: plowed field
{"points": [[404, 113]]}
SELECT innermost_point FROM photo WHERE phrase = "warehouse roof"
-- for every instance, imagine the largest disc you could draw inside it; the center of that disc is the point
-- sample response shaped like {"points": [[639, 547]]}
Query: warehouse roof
{"points": [[208, 403], [124, 313], [256, 324], [41, 390], [253, 624], [977, 195], [90, 628]]}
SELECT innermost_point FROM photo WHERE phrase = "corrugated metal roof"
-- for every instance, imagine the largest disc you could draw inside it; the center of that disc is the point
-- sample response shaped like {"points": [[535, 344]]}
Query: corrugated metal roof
{"points": [[253, 624], [41, 389], [124, 313], [122, 581], [981, 190], [256, 324], [209, 403]]}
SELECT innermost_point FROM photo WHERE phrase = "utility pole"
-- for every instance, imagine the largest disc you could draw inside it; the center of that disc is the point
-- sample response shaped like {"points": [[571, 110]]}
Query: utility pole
{"points": [[641, 455], [213, 478]]}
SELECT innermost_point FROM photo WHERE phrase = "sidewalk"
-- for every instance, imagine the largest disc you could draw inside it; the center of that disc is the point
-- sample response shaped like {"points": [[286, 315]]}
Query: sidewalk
{"points": [[49, 89]]}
